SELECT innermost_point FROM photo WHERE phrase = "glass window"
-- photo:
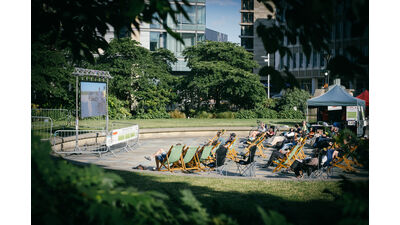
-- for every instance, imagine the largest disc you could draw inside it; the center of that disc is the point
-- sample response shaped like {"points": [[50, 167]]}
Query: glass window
{"points": [[200, 37], [300, 59], [321, 60], [247, 30], [294, 60], [157, 40], [308, 61], [247, 17], [191, 12], [247, 43], [154, 23], [201, 15], [288, 61], [248, 4], [315, 55], [281, 63]]}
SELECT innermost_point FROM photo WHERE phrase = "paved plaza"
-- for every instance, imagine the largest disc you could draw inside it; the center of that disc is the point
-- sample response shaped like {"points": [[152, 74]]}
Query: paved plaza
{"points": [[127, 160]]}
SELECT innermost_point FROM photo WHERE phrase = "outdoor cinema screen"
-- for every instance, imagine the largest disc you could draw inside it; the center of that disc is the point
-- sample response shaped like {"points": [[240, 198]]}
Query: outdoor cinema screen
{"points": [[93, 99]]}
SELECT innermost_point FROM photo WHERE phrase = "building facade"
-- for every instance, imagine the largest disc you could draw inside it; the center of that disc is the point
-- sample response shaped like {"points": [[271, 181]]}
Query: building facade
{"points": [[309, 72], [254, 13], [212, 35], [153, 36]]}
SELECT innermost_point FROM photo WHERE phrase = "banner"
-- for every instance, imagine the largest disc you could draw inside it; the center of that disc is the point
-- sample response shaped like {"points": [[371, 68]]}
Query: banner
{"points": [[93, 99], [351, 113], [122, 135], [332, 108]]}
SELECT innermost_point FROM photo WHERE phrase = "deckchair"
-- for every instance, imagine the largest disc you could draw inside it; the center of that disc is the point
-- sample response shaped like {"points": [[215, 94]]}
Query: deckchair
{"points": [[173, 159], [232, 153], [259, 143], [189, 160], [244, 166], [203, 157], [210, 141], [345, 163], [290, 157]]}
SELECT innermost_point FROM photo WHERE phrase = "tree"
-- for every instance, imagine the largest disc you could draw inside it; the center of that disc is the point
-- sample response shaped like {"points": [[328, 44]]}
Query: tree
{"points": [[52, 83], [294, 98], [221, 71], [80, 25], [139, 76]]}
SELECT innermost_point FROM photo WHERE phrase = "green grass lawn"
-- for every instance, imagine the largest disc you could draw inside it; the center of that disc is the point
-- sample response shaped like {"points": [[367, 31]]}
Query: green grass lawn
{"points": [[171, 123], [301, 202]]}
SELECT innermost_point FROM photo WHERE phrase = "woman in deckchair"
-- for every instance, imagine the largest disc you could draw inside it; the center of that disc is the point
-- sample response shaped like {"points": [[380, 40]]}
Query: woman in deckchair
{"points": [[261, 129]]}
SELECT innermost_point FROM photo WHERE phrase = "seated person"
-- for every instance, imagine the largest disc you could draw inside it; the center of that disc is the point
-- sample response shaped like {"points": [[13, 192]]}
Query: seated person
{"points": [[220, 153], [219, 139], [311, 133], [304, 128], [270, 133], [261, 129], [279, 153], [159, 156], [297, 128]]}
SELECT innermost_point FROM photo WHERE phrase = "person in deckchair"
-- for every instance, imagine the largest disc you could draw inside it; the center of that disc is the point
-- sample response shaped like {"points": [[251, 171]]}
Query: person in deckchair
{"points": [[261, 129], [159, 155], [220, 139], [270, 133], [279, 154], [220, 153]]}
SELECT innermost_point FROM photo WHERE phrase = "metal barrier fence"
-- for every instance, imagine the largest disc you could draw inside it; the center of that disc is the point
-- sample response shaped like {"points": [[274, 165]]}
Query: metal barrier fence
{"points": [[79, 142], [42, 126], [60, 117], [131, 143]]}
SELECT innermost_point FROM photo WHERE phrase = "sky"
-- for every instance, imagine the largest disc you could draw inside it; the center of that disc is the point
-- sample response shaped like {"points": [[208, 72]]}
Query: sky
{"points": [[224, 16]]}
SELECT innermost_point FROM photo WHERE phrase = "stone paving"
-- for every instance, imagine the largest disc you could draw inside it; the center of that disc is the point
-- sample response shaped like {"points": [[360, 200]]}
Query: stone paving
{"points": [[123, 160]]}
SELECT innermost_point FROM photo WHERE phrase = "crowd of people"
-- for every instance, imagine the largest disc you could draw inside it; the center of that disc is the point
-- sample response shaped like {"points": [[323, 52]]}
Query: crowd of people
{"points": [[324, 143]]}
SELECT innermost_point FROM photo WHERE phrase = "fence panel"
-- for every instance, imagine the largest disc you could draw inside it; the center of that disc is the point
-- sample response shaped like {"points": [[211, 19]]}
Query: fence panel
{"points": [[61, 117], [42, 126], [79, 142]]}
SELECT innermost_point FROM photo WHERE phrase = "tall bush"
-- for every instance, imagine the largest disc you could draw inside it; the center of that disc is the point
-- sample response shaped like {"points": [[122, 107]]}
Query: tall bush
{"points": [[294, 98]]}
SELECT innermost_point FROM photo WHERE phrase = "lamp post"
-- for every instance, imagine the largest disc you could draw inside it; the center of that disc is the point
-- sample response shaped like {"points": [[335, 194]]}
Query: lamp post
{"points": [[326, 72], [266, 59]]}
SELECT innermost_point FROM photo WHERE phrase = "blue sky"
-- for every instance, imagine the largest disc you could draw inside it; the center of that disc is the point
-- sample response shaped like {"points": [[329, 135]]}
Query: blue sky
{"points": [[224, 16]]}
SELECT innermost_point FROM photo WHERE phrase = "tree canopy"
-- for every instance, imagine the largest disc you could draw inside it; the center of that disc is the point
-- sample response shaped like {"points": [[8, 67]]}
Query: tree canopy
{"points": [[139, 76], [80, 25], [221, 72]]}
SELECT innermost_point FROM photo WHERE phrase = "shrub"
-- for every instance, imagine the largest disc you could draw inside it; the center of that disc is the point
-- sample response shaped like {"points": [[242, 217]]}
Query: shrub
{"points": [[118, 109], [294, 98], [266, 113], [246, 114], [177, 114], [204, 115], [290, 114], [152, 114], [225, 115]]}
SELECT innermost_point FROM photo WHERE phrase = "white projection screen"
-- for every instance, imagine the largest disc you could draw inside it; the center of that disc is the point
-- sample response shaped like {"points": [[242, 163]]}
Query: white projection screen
{"points": [[93, 99]]}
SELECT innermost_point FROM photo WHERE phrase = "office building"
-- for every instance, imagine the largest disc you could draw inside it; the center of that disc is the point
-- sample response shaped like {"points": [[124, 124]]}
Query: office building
{"points": [[254, 13], [212, 35], [153, 36], [308, 72]]}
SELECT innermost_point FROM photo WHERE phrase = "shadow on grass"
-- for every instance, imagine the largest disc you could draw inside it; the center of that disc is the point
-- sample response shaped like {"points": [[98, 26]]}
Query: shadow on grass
{"points": [[241, 206]]}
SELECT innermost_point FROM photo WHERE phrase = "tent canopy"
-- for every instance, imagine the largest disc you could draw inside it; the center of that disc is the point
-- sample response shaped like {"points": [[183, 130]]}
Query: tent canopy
{"points": [[364, 96], [336, 96]]}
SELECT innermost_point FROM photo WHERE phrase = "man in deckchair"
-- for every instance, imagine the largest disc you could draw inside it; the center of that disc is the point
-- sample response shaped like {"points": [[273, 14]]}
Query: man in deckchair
{"points": [[159, 155]]}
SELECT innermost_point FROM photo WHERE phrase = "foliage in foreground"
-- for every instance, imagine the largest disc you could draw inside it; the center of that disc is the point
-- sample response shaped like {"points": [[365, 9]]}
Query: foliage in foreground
{"points": [[63, 193]]}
